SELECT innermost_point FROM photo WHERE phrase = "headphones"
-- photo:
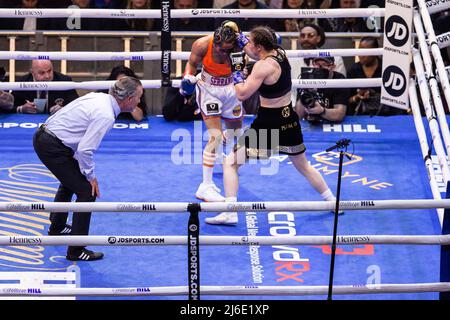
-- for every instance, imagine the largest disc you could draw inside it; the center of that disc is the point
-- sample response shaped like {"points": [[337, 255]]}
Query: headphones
{"points": [[226, 32]]}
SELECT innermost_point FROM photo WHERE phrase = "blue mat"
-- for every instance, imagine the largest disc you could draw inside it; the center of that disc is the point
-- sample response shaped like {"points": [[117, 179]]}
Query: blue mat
{"points": [[160, 161]]}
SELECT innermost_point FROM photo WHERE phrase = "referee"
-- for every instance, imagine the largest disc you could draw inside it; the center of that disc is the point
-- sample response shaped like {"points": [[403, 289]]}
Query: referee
{"points": [[66, 144]]}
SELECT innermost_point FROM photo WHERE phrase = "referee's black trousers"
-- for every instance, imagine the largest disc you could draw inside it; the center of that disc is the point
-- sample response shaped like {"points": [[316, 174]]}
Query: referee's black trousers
{"points": [[58, 158]]}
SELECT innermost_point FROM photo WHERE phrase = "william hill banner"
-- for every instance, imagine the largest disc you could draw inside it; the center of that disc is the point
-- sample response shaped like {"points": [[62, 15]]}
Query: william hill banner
{"points": [[396, 53]]}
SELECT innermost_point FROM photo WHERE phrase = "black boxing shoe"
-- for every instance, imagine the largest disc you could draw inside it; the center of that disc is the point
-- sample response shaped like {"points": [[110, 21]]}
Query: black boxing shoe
{"points": [[84, 255], [62, 232]]}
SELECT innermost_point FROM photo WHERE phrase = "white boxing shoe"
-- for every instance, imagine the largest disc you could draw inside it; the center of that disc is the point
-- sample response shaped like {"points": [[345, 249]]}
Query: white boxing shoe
{"points": [[209, 192], [227, 218]]}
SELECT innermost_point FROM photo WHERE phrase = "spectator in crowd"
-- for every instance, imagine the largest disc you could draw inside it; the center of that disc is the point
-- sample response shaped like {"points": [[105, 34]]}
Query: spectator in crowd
{"points": [[42, 101], [187, 24], [348, 24], [140, 24], [26, 24], [365, 101], [6, 102], [6, 99], [77, 23], [140, 112], [373, 3], [311, 36], [218, 4], [328, 104], [109, 4], [249, 23]]}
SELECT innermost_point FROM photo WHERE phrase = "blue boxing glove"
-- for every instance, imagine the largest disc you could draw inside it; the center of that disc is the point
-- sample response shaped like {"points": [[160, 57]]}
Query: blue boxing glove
{"points": [[187, 86], [238, 77], [241, 40], [278, 37]]}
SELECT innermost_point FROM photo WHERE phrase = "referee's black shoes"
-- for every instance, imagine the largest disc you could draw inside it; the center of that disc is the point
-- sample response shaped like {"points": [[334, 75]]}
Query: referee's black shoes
{"points": [[84, 255], [62, 232]]}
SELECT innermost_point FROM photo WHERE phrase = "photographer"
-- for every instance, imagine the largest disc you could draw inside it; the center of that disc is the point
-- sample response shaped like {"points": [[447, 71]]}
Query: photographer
{"points": [[322, 104]]}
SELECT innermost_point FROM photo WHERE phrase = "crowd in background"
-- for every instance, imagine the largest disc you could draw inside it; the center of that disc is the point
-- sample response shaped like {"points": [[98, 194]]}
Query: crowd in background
{"points": [[185, 24], [362, 101]]}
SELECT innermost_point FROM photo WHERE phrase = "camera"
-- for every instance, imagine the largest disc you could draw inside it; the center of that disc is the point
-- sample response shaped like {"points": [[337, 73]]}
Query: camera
{"points": [[309, 97], [2, 74]]}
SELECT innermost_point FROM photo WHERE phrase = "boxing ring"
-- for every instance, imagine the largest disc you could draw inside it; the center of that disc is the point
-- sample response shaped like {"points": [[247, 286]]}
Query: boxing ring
{"points": [[389, 239]]}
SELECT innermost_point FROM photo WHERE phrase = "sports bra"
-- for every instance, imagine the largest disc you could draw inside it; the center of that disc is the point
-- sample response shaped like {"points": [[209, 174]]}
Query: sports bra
{"points": [[284, 83], [212, 67]]}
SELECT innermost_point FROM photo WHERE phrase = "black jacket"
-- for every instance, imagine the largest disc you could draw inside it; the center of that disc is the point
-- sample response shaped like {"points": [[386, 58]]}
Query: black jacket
{"points": [[20, 97]]}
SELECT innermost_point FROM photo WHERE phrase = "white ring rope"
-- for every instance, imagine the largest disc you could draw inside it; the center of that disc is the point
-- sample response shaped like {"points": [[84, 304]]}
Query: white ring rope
{"points": [[435, 6], [428, 25], [191, 13], [423, 140], [158, 240], [432, 120], [223, 206], [67, 85], [443, 40], [428, 77], [231, 290], [175, 55], [155, 84]]}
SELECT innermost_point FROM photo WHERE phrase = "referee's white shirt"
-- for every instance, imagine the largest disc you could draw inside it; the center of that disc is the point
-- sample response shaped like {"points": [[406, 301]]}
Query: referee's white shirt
{"points": [[82, 124]]}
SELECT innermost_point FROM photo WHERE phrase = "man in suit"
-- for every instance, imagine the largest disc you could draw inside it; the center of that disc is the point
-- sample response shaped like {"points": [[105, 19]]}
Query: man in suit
{"points": [[42, 70]]}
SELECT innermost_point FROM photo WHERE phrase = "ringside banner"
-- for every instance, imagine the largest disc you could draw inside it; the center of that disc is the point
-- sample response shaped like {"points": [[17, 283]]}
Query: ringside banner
{"points": [[396, 53]]}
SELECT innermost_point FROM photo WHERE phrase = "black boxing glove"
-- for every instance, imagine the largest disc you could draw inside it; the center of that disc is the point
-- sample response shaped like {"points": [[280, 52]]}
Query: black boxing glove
{"points": [[237, 66], [237, 61]]}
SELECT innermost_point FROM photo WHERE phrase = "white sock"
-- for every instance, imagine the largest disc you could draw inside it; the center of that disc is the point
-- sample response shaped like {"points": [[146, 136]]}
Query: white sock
{"points": [[231, 199], [209, 159], [328, 195]]}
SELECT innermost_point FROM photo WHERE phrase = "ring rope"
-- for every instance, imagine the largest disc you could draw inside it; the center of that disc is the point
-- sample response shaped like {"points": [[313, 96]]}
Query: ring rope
{"points": [[435, 49], [433, 123], [175, 55], [156, 84], [223, 206], [443, 40], [231, 290], [423, 141], [192, 13], [428, 76], [157, 240]]}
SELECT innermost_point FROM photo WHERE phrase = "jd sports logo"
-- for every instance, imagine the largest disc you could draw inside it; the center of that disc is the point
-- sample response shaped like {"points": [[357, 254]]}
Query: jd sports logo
{"points": [[212, 108], [394, 81], [397, 31], [112, 240]]}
